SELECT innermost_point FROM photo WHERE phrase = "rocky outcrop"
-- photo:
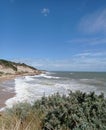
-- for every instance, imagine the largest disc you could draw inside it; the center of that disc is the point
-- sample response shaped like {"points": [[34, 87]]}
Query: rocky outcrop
{"points": [[12, 68]]}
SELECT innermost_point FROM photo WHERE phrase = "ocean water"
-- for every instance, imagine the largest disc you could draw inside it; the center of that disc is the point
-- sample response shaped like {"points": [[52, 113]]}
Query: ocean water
{"points": [[31, 88]]}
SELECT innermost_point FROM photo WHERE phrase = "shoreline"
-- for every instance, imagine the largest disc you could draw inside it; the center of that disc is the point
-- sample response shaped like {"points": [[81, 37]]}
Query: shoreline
{"points": [[5, 95], [13, 76]]}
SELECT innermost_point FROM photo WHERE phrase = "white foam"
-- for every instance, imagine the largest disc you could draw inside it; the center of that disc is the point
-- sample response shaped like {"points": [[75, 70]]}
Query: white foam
{"points": [[71, 73], [46, 76], [21, 89], [27, 92], [31, 91], [29, 78], [50, 77]]}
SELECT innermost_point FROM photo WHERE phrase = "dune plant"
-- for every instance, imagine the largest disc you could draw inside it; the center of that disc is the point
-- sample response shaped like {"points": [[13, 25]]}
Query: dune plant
{"points": [[76, 111], [8, 64]]}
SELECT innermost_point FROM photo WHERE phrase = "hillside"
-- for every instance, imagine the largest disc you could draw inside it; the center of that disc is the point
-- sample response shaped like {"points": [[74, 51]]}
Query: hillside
{"points": [[12, 68]]}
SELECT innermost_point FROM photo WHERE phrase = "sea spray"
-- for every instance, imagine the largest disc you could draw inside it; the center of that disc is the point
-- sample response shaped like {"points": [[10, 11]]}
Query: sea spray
{"points": [[30, 88]]}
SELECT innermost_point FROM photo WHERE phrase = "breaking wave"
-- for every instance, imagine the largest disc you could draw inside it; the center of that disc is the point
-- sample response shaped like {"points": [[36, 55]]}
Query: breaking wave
{"points": [[31, 88]]}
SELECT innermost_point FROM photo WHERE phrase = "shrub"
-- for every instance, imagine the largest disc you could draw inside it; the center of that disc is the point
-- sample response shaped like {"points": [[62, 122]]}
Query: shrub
{"points": [[8, 64], [76, 111]]}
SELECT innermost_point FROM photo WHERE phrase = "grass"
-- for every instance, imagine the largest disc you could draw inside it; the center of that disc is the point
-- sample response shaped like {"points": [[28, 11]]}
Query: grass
{"points": [[1, 73], [23, 64], [14, 65], [20, 117], [77, 111], [8, 64]]}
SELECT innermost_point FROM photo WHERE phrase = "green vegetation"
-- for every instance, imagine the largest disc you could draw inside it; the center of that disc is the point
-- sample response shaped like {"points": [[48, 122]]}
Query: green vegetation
{"points": [[1, 73], [8, 64], [77, 111], [13, 65], [23, 64]]}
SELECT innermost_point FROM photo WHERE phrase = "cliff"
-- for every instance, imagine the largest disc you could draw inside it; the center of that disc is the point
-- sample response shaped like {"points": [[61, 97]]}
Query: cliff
{"points": [[12, 68]]}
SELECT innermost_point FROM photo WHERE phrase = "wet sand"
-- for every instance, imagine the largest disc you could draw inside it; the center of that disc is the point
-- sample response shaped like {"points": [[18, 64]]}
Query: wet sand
{"points": [[5, 95]]}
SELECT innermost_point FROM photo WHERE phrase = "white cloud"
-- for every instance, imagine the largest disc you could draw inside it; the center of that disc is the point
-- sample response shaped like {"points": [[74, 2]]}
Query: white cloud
{"points": [[90, 54], [85, 61], [91, 60], [45, 11], [92, 41], [94, 23]]}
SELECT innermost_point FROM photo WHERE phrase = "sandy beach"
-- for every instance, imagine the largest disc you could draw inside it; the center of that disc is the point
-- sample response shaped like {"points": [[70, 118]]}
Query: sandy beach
{"points": [[9, 71], [5, 94]]}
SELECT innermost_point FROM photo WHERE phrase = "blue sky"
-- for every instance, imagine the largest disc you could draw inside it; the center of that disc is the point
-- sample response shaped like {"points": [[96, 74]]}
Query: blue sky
{"points": [[54, 34]]}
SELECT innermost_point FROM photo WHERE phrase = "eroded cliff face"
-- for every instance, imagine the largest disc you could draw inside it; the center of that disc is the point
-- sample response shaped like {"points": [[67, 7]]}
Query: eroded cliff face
{"points": [[12, 68], [6, 70], [27, 69]]}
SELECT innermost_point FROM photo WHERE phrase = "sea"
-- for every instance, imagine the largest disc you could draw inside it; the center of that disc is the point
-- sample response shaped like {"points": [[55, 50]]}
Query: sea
{"points": [[30, 88]]}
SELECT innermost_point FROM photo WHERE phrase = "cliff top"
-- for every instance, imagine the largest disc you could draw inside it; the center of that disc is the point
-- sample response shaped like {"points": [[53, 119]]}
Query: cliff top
{"points": [[9, 67]]}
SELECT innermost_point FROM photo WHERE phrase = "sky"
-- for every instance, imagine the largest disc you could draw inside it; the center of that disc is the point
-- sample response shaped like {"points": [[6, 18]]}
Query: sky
{"points": [[63, 35]]}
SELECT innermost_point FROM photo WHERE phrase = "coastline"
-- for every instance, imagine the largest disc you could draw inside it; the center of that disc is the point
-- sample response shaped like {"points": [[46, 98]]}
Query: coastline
{"points": [[5, 95], [13, 76]]}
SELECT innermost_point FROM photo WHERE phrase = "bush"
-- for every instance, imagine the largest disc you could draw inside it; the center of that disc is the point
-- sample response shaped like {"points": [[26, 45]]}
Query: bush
{"points": [[8, 64], [76, 111]]}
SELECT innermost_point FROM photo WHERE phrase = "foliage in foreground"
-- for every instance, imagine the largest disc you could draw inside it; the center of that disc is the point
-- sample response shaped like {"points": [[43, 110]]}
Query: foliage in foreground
{"points": [[77, 111]]}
